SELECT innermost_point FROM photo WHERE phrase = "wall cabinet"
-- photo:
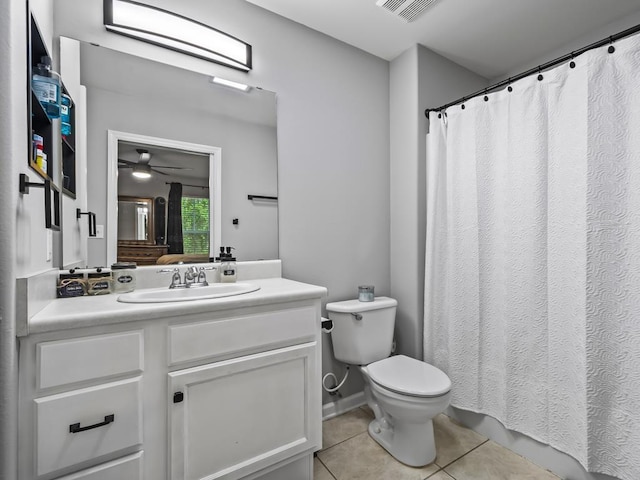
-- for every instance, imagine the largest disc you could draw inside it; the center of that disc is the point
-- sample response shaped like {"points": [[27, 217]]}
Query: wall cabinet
{"points": [[228, 395]]}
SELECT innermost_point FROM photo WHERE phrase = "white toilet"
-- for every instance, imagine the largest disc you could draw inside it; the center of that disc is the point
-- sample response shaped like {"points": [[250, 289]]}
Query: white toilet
{"points": [[404, 393]]}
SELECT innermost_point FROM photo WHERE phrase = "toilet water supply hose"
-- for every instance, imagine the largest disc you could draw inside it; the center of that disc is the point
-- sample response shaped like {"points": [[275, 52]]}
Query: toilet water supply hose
{"points": [[335, 381], [331, 375]]}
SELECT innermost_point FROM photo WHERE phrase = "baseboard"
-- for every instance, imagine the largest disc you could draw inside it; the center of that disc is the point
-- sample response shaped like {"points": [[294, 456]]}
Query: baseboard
{"points": [[342, 405]]}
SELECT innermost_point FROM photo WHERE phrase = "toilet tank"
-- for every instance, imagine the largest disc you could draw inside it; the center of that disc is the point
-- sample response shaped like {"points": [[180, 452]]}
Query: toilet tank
{"points": [[362, 331]]}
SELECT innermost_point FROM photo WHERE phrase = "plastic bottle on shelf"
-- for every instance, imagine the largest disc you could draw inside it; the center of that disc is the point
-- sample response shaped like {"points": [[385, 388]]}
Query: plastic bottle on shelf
{"points": [[46, 86], [65, 115]]}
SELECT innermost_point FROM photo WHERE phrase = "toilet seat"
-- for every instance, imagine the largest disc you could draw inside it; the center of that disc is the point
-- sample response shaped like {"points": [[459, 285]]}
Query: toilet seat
{"points": [[408, 376]]}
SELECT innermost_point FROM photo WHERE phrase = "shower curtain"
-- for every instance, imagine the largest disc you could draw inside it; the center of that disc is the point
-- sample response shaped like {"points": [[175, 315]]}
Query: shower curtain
{"points": [[532, 280]]}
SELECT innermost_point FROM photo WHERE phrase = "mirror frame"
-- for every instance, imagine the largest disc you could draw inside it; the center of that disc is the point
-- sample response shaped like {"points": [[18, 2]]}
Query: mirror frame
{"points": [[215, 185]]}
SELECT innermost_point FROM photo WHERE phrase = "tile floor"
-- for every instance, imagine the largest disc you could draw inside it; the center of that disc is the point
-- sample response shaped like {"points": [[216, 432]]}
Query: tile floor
{"points": [[462, 454]]}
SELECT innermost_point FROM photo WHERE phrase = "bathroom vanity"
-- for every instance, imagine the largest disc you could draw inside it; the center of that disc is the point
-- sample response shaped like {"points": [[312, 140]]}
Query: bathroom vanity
{"points": [[226, 388]]}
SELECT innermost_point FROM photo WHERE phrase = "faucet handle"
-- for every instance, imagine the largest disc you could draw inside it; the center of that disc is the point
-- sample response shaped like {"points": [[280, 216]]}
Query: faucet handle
{"points": [[168, 270], [202, 276]]}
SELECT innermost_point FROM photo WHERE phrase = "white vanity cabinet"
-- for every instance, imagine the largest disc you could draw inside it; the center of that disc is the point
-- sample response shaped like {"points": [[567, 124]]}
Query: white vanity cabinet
{"points": [[81, 404], [249, 411], [233, 393]]}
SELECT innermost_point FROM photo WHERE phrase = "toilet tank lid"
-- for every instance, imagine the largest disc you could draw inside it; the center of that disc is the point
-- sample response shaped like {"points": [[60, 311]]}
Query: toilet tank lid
{"points": [[356, 306]]}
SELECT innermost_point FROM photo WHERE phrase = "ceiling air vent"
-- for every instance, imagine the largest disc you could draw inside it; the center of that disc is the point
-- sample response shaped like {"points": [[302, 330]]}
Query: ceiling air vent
{"points": [[408, 10]]}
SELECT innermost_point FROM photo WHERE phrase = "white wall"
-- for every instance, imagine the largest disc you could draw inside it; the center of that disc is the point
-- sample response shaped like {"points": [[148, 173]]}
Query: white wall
{"points": [[595, 35], [31, 255], [420, 79], [13, 155], [333, 137]]}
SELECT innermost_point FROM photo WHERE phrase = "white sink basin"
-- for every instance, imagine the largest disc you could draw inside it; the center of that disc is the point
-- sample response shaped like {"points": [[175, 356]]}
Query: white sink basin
{"points": [[216, 290]]}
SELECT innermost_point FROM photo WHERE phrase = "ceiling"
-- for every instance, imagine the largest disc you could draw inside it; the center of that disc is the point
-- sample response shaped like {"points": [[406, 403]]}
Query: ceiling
{"points": [[489, 37], [194, 167]]}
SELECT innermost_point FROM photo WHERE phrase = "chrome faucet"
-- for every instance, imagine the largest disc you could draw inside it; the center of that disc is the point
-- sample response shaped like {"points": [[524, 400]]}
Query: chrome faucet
{"points": [[190, 276], [176, 280], [193, 277], [197, 277]]}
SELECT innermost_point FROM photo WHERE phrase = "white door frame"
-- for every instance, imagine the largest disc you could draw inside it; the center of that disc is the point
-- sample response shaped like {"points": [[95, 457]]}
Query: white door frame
{"points": [[215, 185]]}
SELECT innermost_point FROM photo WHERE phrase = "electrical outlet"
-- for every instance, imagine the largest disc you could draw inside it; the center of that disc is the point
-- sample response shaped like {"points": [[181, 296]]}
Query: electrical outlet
{"points": [[49, 245], [99, 231]]}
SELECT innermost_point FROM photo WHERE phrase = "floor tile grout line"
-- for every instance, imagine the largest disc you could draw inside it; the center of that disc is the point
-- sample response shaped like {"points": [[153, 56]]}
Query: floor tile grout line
{"points": [[327, 468], [464, 455], [342, 441]]}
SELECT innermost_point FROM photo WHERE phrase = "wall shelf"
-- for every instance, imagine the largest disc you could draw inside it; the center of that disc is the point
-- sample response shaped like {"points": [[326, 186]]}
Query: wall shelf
{"points": [[39, 122], [69, 153]]}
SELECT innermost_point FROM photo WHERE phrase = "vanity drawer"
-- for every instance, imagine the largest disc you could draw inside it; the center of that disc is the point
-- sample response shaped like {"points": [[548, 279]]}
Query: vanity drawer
{"points": [[57, 447], [127, 468], [249, 333], [88, 358]]}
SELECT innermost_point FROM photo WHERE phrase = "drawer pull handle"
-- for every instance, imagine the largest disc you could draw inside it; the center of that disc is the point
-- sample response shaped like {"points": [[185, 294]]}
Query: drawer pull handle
{"points": [[75, 427]]}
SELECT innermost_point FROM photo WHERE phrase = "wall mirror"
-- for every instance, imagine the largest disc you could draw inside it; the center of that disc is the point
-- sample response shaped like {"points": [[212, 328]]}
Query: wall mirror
{"points": [[131, 100]]}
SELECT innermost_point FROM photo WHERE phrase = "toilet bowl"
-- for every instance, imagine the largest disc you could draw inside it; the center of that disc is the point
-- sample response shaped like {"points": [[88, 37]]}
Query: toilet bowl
{"points": [[404, 401], [405, 394]]}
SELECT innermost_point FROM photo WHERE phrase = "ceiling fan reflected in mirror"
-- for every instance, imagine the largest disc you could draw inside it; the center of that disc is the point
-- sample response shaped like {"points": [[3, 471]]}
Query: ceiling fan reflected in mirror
{"points": [[142, 168]]}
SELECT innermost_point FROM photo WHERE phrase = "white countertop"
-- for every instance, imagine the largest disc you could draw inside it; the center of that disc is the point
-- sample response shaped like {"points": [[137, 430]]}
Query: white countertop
{"points": [[78, 312]]}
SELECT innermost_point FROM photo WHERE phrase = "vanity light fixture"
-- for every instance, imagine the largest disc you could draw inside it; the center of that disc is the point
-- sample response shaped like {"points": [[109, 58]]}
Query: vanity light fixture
{"points": [[175, 32], [228, 83]]}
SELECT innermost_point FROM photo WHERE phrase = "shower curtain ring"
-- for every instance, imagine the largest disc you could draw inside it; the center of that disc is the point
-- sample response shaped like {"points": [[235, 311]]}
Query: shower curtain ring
{"points": [[510, 88], [572, 64], [486, 98], [540, 76], [611, 48]]}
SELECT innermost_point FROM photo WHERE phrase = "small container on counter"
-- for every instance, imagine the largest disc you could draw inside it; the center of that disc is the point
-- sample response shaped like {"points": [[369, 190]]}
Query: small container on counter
{"points": [[365, 293], [124, 277], [99, 282], [71, 284]]}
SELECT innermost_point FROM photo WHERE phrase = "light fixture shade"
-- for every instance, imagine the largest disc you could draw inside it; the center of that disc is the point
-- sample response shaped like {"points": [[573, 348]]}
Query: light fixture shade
{"points": [[243, 87], [141, 171], [178, 33]]}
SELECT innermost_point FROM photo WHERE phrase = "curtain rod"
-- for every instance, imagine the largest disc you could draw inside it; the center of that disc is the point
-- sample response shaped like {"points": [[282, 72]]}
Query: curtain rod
{"points": [[540, 68], [187, 185]]}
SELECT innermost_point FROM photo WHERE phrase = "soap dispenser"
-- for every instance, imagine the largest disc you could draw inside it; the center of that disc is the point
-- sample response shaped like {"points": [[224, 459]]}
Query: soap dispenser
{"points": [[228, 271]]}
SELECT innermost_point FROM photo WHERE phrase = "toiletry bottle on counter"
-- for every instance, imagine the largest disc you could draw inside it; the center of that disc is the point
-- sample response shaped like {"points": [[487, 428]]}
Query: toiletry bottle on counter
{"points": [[72, 284], [99, 282], [228, 270], [124, 277]]}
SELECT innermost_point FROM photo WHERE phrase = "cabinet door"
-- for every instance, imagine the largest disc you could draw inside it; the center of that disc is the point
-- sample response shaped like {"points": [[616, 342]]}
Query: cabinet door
{"points": [[235, 417]]}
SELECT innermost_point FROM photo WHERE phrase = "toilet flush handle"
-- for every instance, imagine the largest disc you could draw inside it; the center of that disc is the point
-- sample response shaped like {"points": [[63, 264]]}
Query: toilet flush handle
{"points": [[357, 316]]}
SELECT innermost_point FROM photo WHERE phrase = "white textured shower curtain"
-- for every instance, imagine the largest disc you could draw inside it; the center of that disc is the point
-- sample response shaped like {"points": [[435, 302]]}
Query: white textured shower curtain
{"points": [[532, 297]]}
